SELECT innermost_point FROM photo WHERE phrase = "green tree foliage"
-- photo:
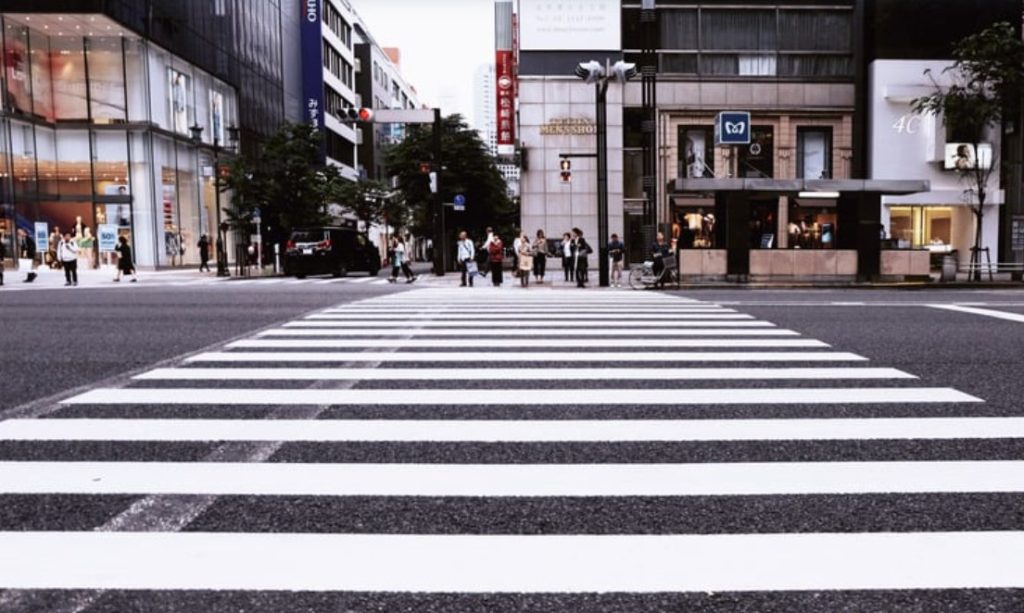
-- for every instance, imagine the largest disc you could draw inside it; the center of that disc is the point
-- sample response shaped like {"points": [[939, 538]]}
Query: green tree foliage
{"points": [[986, 77], [467, 169], [285, 180], [371, 202]]}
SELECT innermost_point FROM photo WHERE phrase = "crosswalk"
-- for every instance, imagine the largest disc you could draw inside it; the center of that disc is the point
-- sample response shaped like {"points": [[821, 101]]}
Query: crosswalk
{"points": [[556, 446], [175, 279]]}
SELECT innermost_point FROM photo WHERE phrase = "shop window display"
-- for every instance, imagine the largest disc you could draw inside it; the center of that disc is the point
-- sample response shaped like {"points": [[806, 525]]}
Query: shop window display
{"points": [[922, 227], [694, 227], [763, 230], [812, 225], [696, 155], [16, 68], [106, 80], [42, 87]]}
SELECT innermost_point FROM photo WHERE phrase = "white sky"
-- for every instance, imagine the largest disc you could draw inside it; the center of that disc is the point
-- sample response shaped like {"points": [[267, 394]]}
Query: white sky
{"points": [[443, 42]]}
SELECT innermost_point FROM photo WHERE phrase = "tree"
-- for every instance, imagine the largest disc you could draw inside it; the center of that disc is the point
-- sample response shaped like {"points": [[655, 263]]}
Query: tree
{"points": [[371, 202], [985, 78], [466, 168], [285, 179]]}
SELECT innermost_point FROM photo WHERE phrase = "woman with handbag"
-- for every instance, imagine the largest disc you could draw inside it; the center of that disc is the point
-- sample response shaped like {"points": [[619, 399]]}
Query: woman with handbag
{"points": [[540, 256], [496, 254], [525, 262]]}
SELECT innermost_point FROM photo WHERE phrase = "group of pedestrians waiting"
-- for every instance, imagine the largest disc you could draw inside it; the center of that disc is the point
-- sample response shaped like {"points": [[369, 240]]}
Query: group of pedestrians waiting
{"points": [[529, 257]]}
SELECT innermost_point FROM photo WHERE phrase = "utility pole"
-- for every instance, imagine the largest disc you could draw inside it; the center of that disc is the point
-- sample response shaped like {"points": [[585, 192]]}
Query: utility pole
{"points": [[437, 208], [649, 102]]}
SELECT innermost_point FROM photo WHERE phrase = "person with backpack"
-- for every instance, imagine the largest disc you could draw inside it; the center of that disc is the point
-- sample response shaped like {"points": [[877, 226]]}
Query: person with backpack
{"points": [[67, 253], [125, 261]]}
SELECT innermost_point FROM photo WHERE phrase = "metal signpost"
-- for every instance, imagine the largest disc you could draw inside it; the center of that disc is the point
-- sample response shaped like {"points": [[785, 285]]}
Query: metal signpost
{"points": [[459, 203]]}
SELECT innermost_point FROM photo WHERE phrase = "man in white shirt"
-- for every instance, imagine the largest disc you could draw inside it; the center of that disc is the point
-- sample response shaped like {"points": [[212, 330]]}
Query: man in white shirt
{"points": [[466, 253], [67, 252]]}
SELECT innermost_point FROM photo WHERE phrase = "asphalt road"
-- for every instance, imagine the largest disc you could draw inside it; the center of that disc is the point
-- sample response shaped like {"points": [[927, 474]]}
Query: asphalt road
{"points": [[65, 345]]}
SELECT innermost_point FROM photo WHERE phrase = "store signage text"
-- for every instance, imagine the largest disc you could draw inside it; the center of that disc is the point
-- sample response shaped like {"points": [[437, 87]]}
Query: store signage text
{"points": [[505, 74], [312, 11], [569, 127], [108, 237], [311, 39]]}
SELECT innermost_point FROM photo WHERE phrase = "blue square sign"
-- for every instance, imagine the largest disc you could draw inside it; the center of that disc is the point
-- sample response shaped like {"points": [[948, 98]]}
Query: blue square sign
{"points": [[732, 128]]}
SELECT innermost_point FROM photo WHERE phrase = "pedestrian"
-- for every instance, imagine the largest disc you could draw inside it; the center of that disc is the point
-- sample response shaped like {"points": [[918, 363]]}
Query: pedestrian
{"points": [[567, 256], [580, 251], [515, 251], [525, 261], [540, 256], [28, 255], [397, 253], [616, 251], [125, 260], [486, 249], [204, 253], [406, 259], [659, 252], [466, 252], [52, 259], [67, 253], [496, 255], [3, 256]]}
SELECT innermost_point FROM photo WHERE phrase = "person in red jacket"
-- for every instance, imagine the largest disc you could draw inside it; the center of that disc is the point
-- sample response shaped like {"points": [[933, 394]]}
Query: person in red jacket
{"points": [[495, 254]]}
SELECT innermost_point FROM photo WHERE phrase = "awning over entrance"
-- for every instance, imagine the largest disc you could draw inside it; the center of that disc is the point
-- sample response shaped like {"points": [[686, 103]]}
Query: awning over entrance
{"points": [[787, 186]]}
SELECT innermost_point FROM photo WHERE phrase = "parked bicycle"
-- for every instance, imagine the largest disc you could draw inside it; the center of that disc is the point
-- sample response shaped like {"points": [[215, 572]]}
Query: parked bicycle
{"points": [[643, 276]]}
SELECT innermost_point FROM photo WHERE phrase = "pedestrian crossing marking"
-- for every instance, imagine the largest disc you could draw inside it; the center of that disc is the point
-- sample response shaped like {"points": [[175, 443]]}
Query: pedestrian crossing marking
{"points": [[515, 343], [483, 357], [510, 563], [519, 397], [504, 480], [518, 374], [508, 431], [644, 333]]}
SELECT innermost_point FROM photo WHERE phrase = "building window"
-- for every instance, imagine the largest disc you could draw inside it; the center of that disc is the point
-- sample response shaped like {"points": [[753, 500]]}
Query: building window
{"points": [[337, 24], [340, 149], [696, 152], [757, 160], [814, 153], [338, 66]]}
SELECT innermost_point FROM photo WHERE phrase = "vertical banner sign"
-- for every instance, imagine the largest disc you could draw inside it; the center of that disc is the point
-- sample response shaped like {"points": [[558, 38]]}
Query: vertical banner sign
{"points": [[313, 66], [505, 96], [108, 237], [42, 232]]}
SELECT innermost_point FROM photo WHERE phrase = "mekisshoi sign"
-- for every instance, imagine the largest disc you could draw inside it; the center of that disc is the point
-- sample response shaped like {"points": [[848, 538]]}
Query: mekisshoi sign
{"points": [[586, 25]]}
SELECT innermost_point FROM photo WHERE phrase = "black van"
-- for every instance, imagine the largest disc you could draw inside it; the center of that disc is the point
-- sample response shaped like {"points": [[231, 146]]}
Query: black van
{"points": [[330, 250]]}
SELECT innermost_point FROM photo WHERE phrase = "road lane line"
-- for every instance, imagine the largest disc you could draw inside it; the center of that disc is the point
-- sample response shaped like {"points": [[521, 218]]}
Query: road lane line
{"points": [[510, 431], [483, 357], [518, 397], [519, 374], [1015, 317]]}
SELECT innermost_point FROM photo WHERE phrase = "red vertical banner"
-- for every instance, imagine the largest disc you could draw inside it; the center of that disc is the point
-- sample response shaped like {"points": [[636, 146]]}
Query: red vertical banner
{"points": [[505, 97]]}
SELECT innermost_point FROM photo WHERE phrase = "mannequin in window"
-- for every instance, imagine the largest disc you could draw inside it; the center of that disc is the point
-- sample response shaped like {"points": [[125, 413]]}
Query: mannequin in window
{"points": [[86, 246]]}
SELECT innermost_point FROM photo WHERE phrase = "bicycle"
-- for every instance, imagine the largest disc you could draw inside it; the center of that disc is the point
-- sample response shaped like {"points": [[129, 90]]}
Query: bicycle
{"points": [[643, 276]]}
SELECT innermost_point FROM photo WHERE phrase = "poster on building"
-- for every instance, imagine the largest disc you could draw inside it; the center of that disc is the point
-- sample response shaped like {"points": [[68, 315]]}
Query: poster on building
{"points": [[217, 117], [568, 25], [107, 237], [694, 153], [42, 234], [178, 92], [16, 67], [505, 99]]}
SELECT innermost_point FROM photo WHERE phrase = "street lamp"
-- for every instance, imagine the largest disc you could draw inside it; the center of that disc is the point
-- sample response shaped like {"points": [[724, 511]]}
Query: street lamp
{"points": [[597, 74], [197, 135]]}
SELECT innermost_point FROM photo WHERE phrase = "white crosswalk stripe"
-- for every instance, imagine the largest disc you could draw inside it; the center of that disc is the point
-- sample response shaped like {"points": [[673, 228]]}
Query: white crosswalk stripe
{"points": [[543, 443]]}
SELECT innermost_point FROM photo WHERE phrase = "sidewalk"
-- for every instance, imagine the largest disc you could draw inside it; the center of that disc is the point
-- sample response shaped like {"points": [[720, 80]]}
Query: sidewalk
{"points": [[100, 277]]}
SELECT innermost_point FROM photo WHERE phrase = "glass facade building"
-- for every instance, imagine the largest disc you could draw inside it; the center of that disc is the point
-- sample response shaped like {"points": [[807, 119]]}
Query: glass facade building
{"points": [[97, 98], [96, 131]]}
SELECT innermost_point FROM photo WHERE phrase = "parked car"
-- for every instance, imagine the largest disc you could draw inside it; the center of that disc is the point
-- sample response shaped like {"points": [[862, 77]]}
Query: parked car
{"points": [[330, 250]]}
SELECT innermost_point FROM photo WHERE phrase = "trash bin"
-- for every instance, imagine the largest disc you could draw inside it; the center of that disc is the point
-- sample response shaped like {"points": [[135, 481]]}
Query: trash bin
{"points": [[948, 268]]}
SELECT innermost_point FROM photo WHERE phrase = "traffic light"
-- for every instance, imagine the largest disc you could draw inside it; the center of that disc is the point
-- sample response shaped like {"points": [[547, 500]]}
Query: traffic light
{"points": [[362, 115], [566, 170]]}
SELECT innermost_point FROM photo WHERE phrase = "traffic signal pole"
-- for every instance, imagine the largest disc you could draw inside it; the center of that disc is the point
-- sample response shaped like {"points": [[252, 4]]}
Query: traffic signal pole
{"points": [[437, 208], [602, 182]]}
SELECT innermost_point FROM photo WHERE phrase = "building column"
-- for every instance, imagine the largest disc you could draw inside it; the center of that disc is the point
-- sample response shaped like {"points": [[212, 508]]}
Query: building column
{"points": [[733, 211]]}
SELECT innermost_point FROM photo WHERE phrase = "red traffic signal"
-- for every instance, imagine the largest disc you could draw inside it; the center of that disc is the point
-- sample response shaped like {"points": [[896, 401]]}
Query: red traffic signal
{"points": [[363, 115]]}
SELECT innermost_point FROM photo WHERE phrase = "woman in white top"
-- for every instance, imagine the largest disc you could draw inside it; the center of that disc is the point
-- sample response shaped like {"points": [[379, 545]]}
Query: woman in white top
{"points": [[525, 263], [567, 256]]}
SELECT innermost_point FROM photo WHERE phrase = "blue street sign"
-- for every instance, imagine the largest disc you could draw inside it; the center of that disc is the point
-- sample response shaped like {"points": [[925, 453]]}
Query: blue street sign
{"points": [[732, 128], [460, 202]]}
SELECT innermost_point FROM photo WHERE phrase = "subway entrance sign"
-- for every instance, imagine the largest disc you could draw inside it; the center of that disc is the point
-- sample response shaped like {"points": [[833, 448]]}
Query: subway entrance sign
{"points": [[732, 128]]}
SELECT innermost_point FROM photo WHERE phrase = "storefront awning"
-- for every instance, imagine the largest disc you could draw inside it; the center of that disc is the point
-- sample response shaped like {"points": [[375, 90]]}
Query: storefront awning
{"points": [[795, 186]]}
